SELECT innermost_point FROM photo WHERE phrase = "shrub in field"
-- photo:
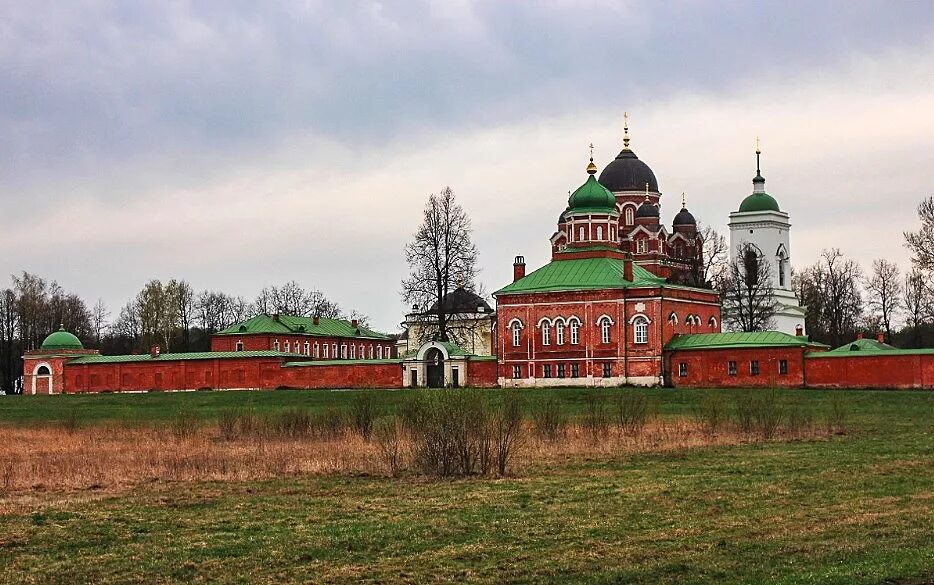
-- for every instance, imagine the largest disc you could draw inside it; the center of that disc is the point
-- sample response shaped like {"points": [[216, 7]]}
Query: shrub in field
{"points": [[744, 416], [837, 412], [183, 425], [632, 412], [712, 412], [597, 417], [768, 413], [363, 412], [227, 423], [389, 435], [548, 420], [329, 424], [71, 423], [292, 423], [507, 429], [798, 418]]}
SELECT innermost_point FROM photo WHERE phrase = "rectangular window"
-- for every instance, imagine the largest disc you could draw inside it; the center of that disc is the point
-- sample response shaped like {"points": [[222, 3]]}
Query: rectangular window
{"points": [[334, 350], [516, 372], [682, 369], [607, 369], [731, 367], [575, 370], [546, 334], [344, 352], [239, 346], [325, 351], [516, 334], [560, 370], [754, 367], [546, 370], [317, 350], [288, 347], [782, 366], [642, 246], [307, 347], [575, 332]]}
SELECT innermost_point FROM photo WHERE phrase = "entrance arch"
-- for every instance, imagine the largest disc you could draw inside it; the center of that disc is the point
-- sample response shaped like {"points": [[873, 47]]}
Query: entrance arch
{"points": [[42, 379], [434, 367]]}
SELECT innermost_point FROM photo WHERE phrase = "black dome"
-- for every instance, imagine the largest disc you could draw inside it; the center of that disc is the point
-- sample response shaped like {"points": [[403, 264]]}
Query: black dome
{"points": [[627, 173], [647, 210], [684, 217]]}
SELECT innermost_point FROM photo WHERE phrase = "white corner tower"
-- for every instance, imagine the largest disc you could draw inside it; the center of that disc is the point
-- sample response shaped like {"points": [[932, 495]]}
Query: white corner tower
{"points": [[761, 223]]}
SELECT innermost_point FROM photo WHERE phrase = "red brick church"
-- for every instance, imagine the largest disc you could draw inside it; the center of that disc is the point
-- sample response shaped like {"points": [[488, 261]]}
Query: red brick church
{"points": [[618, 288]]}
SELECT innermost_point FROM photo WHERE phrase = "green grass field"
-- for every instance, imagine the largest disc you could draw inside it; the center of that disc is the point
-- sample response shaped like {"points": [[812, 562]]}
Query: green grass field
{"points": [[854, 508]]}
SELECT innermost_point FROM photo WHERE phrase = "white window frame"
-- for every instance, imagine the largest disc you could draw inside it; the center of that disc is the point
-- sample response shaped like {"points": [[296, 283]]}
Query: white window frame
{"points": [[239, 346], [326, 351], [379, 352], [606, 330], [630, 215], [288, 346], [599, 232], [275, 345], [317, 350], [642, 246], [343, 351], [307, 347], [640, 330], [353, 351], [516, 326], [546, 333], [559, 332]]}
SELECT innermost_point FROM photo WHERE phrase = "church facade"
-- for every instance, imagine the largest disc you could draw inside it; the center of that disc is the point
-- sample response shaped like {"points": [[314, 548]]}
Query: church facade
{"points": [[619, 286]]}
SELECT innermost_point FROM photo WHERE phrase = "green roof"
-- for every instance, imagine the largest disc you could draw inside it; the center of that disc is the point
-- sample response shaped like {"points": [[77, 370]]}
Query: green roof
{"points": [[167, 357], [887, 353], [759, 202], [287, 325], [581, 274], [592, 196], [738, 340], [339, 362], [867, 345], [62, 339]]}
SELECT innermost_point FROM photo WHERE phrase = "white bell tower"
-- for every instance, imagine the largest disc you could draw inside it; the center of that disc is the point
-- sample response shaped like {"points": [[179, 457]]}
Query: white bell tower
{"points": [[761, 223]]}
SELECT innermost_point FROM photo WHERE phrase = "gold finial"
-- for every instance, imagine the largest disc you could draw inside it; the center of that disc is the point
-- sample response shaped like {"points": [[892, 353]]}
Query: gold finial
{"points": [[646, 190], [625, 129], [591, 168]]}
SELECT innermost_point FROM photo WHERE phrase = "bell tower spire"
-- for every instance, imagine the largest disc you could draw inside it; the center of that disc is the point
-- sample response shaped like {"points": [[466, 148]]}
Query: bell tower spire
{"points": [[626, 130]]}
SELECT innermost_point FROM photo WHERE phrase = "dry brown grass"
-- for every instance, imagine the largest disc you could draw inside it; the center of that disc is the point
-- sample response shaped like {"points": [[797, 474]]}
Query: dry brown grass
{"points": [[103, 459]]}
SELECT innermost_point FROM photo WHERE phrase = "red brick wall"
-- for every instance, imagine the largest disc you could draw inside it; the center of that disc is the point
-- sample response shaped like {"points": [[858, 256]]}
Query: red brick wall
{"points": [[56, 363], [264, 342], [343, 375], [710, 368], [483, 374], [871, 371]]}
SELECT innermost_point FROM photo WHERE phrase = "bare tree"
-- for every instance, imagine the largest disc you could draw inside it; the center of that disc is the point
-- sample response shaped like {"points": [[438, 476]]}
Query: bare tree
{"points": [[10, 364], [918, 303], [830, 289], [746, 289], [292, 299], [100, 318], [440, 256], [921, 242], [884, 293], [715, 260]]}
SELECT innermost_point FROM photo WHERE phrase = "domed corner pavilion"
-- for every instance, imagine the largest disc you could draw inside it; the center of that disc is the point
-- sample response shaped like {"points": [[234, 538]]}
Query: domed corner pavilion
{"points": [[43, 368], [442, 364]]}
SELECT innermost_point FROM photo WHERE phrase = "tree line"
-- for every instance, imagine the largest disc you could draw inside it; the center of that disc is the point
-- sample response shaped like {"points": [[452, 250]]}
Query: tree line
{"points": [[842, 300], [170, 314]]}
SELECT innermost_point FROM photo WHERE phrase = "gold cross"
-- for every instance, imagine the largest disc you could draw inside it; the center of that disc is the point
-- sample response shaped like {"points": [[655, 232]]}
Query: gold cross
{"points": [[591, 151]]}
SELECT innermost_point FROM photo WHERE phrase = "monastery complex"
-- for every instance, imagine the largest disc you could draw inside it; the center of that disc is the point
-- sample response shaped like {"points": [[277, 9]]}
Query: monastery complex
{"points": [[622, 302]]}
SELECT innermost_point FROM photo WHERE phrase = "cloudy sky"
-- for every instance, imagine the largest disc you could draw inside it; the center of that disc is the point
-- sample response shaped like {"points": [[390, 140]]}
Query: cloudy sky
{"points": [[241, 144]]}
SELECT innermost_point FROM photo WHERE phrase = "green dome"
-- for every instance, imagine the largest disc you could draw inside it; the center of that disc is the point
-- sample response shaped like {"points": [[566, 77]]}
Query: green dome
{"points": [[759, 202], [592, 195], [61, 339]]}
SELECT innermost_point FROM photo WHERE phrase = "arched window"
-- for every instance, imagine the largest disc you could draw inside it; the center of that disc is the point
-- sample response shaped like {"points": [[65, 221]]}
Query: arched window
{"points": [[606, 326], [546, 333], [582, 234], [640, 327], [712, 322], [559, 332], [43, 371], [630, 216], [782, 266], [575, 331], [599, 232], [516, 326], [673, 318]]}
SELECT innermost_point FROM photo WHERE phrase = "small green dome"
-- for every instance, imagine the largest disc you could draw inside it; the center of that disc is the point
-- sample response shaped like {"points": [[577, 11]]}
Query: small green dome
{"points": [[61, 339], [592, 195], [759, 202]]}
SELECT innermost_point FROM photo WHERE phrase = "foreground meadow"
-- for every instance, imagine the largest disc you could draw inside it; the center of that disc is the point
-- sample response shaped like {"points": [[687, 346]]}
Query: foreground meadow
{"points": [[178, 488]]}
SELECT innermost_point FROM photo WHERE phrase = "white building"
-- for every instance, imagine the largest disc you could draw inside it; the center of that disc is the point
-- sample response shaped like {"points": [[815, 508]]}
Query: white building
{"points": [[761, 223]]}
